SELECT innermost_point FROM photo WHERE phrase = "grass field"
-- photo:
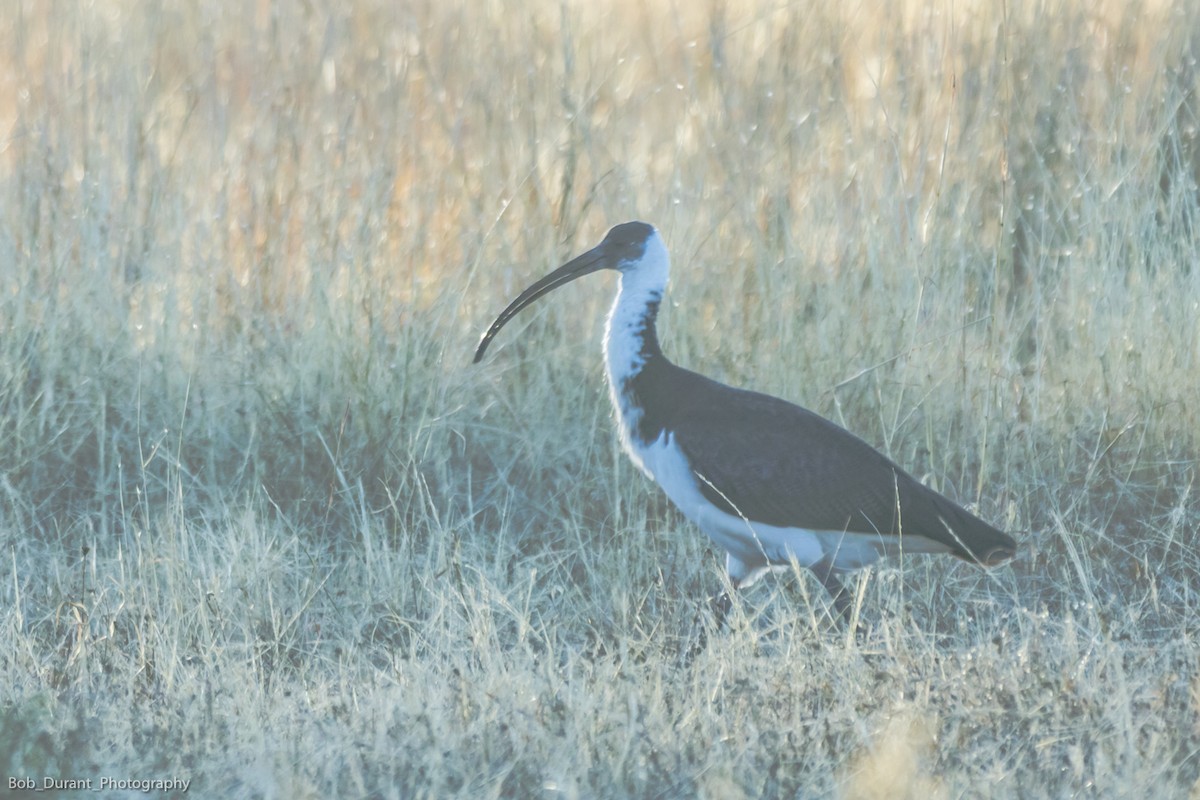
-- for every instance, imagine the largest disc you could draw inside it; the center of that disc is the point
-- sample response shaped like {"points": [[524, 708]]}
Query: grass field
{"points": [[265, 528]]}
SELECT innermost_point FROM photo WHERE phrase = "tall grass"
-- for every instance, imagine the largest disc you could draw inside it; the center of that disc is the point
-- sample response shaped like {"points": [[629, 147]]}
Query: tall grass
{"points": [[265, 527]]}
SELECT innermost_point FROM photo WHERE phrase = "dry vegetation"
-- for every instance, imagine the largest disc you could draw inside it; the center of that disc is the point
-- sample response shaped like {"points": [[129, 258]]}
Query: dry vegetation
{"points": [[265, 528]]}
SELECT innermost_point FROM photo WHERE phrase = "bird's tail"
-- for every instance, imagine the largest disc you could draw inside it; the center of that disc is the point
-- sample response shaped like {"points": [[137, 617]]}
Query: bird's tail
{"points": [[976, 540]]}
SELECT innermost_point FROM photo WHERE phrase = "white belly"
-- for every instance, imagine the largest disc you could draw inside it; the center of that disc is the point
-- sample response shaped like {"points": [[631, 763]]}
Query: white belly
{"points": [[753, 547]]}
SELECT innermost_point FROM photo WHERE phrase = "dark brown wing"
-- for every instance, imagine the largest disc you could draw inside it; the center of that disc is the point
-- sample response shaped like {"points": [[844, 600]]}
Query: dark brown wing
{"points": [[779, 464]]}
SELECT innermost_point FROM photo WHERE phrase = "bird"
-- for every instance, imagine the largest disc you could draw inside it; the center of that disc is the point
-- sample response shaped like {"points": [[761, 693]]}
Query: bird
{"points": [[770, 483]]}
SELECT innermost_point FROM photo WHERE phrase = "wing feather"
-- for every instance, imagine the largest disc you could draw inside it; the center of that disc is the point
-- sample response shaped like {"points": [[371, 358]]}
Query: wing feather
{"points": [[776, 463]]}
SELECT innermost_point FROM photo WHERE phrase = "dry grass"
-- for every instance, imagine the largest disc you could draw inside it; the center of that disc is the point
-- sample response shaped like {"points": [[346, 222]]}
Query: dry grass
{"points": [[266, 529]]}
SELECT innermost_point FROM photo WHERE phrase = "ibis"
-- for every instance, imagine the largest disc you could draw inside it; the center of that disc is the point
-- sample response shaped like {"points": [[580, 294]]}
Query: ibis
{"points": [[769, 482]]}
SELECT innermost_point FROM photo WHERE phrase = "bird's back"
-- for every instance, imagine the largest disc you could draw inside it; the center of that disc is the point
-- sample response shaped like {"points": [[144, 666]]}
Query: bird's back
{"points": [[775, 463]]}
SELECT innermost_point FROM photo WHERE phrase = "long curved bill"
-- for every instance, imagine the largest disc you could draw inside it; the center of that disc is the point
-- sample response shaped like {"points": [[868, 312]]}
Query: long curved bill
{"points": [[577, 267]]}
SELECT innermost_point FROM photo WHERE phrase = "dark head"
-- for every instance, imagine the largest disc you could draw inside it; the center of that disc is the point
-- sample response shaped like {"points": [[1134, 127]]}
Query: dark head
{"points": [[624, 246]]}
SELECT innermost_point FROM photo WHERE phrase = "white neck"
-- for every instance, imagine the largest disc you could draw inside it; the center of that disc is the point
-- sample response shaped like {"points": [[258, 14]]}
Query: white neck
{"points": [[630, 337]]}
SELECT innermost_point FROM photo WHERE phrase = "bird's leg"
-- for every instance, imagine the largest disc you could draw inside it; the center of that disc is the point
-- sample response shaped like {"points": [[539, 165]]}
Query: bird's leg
{"points": [[720, 605], [823, 569]]}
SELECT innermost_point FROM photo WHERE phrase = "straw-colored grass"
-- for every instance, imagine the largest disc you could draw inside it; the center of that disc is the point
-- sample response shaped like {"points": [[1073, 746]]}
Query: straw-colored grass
{"points": [[265, 528]]}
